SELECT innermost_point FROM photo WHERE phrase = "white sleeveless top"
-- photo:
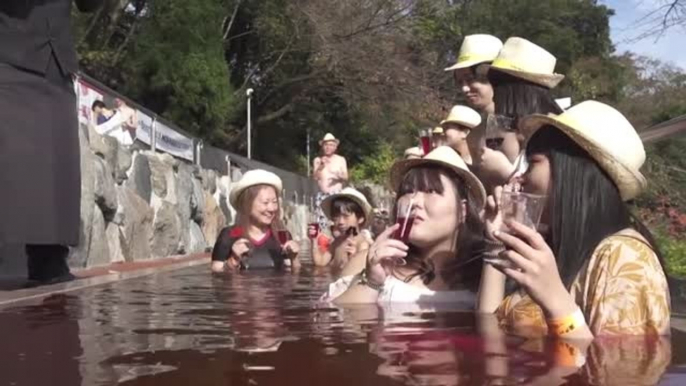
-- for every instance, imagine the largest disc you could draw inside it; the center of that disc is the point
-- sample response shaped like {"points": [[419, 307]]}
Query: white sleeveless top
{"points": [[397, 291]]}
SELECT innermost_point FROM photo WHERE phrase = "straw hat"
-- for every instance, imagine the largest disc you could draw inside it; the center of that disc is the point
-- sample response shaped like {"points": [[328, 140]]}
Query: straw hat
{"points": [[438, 130], [525, 60], [414, 152], [351, 194], [252, 178], [463, 116], [329, 138], [448, 158], [606, 135], [477, 49]]}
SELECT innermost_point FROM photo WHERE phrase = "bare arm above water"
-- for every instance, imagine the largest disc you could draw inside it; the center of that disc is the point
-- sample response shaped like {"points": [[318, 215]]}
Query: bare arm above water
{"points": [[320, 257]]}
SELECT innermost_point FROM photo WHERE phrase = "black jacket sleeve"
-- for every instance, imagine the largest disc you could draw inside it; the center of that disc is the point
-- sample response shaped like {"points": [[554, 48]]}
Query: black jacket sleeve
{"points": [[222, 248], [88, 5]]}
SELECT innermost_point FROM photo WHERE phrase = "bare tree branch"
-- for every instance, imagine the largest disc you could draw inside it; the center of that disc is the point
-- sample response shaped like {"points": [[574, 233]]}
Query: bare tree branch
{"points": [[233, 19]]}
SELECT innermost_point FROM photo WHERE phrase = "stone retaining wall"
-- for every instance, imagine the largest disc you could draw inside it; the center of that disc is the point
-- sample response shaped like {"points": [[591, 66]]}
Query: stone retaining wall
{"points": [[140, 205]]}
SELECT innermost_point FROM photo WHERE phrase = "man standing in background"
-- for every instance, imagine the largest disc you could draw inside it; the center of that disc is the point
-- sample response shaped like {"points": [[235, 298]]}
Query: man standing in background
{"points": [[40, 176], [330, 172]]}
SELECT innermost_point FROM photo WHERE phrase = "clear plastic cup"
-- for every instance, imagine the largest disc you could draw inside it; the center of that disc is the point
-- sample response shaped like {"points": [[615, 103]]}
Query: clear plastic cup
{"points": [[525, 208]]}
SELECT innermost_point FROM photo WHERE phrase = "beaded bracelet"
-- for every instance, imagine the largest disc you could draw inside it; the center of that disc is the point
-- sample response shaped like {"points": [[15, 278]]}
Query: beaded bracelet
{"points": [[365, 281], [493, 248], [566, 324]]}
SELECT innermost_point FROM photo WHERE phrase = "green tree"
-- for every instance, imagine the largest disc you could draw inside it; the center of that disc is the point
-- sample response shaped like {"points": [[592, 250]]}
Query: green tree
{"points": [[177, 65]]}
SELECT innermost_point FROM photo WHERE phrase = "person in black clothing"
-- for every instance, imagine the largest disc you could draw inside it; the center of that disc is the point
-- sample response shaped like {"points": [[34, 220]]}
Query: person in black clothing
{"points": [[251, 243], [40, 175]]}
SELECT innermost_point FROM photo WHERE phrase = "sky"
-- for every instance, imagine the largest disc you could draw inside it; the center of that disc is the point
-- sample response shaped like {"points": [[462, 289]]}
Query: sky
{"points": [[667, 48]]}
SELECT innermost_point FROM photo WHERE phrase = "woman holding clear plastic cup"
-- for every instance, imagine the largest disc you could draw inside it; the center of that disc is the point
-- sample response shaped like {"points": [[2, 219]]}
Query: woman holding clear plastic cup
{"points": [[595, 269], [427, 256]]}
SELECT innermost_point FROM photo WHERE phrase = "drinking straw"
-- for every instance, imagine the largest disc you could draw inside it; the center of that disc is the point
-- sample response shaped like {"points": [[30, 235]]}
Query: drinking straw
{"points": [[407, 216]]}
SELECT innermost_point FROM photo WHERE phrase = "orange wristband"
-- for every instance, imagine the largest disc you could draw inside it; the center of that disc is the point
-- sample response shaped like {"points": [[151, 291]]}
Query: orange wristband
{"points": [[567, 324]]}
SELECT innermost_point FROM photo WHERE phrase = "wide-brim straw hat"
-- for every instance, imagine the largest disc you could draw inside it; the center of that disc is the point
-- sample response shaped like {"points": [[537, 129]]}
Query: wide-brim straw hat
{"points": [[351, 194], [413, 152], [607, 136], [448, 158], [463, 116], [477, 49], [525, 60], [253, 178], [329, 138]]}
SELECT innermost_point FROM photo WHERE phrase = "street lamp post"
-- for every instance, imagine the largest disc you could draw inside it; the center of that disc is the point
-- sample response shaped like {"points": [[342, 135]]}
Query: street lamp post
{"points": [[248, 93]]}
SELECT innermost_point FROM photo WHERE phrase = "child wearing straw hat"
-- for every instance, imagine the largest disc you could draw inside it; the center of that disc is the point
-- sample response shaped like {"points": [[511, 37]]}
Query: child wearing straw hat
{"points": [[349, 211], [252, 241], [597, 270], [429, 260], [457, 127]]}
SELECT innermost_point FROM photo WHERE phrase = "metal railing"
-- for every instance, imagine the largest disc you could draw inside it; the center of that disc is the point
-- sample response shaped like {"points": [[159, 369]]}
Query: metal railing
{"points": [[165, 136]]}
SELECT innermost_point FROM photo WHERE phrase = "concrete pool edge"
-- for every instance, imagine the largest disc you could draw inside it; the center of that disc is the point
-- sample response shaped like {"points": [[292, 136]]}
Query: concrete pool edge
{"points": [[97, 276]]}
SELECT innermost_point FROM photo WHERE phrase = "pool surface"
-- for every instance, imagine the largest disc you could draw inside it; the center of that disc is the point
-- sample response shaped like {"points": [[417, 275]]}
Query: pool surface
{"points": [[186, 327]]}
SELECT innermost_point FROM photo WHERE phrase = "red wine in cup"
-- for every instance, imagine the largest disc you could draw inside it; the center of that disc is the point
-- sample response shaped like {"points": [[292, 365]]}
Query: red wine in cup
{"points": [[403, 234], [426, 144], [284, 236]]}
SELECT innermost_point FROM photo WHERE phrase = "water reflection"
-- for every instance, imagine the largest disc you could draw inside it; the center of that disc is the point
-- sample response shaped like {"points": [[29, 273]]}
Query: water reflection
{"points": [[263, 328], [40, 342]]}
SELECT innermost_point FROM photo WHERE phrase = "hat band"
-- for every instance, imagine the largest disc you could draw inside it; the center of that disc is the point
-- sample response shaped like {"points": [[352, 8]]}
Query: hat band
{"points": [[505, 64], [474, 57]]}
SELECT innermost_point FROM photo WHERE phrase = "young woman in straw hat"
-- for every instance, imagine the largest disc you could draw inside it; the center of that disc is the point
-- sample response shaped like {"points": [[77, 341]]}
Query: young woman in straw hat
{"points": [[349, 211], [470, 75], [522, 76], [445, 200], [597, 270], [251, 242], [469, 71]]}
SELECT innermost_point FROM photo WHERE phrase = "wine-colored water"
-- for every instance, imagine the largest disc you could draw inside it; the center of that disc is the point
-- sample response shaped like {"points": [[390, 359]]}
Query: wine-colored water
{"points": [[187, 327]]}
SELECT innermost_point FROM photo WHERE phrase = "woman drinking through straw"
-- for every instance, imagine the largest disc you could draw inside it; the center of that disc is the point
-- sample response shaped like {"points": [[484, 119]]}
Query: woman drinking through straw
{"points": [[426, 256]]}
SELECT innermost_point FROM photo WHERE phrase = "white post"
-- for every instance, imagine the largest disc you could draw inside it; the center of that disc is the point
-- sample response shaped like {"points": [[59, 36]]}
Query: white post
{"points": [[153, 135], [198, 151], [248, 93], [228, 167]]}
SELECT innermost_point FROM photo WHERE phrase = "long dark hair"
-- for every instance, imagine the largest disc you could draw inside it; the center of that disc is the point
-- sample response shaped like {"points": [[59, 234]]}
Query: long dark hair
{"points": [[469, 232], [515, 97], [585, 205]]}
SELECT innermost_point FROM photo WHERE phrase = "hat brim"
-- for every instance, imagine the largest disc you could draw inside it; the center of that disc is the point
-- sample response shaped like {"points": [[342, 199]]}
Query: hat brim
{"points": [[546, 80], [327, 204], [237, 190], [475, 187], [466, 64], [629, 182], [468, 126], [323, 141]]}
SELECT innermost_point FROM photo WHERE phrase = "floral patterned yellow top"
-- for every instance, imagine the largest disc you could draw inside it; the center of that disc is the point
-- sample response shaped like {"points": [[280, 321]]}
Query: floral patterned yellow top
{"points": [[622, 289]]}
